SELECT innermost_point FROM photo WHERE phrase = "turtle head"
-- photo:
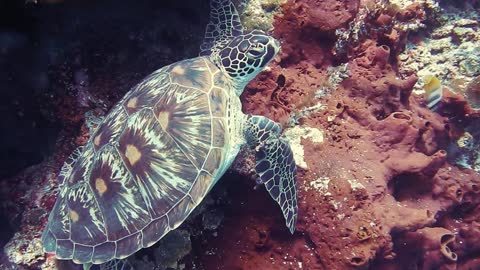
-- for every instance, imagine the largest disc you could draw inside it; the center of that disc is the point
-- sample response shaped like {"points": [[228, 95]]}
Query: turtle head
{"points": [[245, 56]]}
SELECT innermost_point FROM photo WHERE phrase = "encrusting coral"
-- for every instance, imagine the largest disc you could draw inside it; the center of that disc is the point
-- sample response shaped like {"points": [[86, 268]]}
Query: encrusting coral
{"points": [[380, 171], [472, 93]]}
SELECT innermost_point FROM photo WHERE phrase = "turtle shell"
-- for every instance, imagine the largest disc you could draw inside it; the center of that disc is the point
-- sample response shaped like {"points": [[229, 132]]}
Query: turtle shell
{"points": [[145, 168]]}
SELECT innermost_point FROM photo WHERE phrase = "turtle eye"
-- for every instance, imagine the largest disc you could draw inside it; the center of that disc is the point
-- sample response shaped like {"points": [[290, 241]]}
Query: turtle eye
{"points": [[256, 50], [259, 39], [243, 46]]}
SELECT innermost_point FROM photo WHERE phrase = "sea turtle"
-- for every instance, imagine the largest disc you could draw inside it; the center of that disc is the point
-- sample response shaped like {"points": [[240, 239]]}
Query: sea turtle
{"points": [[161, 149]]}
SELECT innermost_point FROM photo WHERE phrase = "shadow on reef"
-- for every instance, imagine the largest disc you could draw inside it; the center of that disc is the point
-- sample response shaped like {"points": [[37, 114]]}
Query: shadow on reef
{"points": [[27, 134]]}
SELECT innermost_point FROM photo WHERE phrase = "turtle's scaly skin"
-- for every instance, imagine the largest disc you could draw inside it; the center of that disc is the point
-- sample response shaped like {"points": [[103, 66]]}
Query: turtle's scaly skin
{"points": [[152, 160]]}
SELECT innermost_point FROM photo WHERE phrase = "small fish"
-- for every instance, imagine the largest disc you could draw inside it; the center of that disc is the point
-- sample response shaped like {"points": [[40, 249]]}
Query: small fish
{"points": [[466, 141], [433, 91]]}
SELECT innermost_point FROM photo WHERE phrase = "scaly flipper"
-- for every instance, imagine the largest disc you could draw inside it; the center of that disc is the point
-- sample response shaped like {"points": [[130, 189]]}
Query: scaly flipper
{"points": [[274, 164], [115, 264], [92, 121], [224, 24]]}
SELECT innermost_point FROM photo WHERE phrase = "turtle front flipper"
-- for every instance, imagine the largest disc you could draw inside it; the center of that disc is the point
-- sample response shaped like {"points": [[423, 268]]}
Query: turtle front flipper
{"points": [[92, 121], [274, 164], [224, 24]]}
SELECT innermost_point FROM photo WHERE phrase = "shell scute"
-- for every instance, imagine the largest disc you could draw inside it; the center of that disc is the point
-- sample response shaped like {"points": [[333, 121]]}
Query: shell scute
{"points": [[120, 201], [201, 186], [180, 212], [214, 160], [220, 132], [87, 224], [109, 130], [82, 253], [218, 102], [188, 122], [146, 93], [219, 78], [128, 245], [154, 231], [64, 249], [163, 172], [192, 73], [104, 252], [59, 223]]}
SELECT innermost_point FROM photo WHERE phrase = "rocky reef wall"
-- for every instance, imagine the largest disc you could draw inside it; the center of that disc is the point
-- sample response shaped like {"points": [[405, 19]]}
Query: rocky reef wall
{"points": [[378, 192]]}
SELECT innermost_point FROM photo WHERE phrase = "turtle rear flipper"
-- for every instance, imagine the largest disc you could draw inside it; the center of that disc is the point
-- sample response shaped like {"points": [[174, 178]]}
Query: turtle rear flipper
{"points": [[274, 164], [224, 24], [115, 264]]}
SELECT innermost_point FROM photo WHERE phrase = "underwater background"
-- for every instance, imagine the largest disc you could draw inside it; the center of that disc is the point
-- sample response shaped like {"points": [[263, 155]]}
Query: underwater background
{"points": [[379, 99]]}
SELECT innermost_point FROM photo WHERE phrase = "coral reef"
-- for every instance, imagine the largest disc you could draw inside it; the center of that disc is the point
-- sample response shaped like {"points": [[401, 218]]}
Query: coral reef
{"points": [[472, 93], [259, 14], [433, 245], [381, 174], [465, 151], [447, 50], [384, 182]]}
